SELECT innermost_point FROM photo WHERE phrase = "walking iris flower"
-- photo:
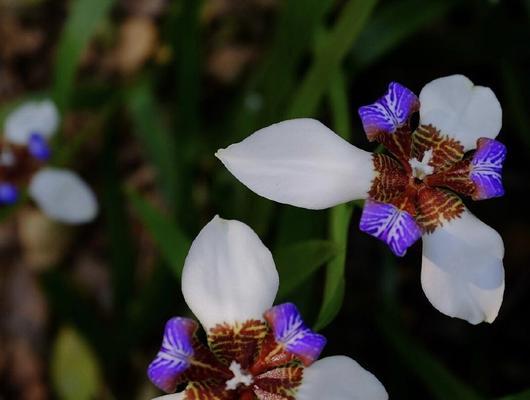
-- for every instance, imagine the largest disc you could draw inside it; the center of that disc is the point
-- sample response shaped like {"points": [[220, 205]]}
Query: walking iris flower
{"points": [[411, 193], [255, 350], [24, 152]]}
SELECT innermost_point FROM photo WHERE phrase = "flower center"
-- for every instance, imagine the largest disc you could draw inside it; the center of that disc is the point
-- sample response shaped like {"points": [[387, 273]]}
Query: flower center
{"points": [[240, 377], [420, 169]]}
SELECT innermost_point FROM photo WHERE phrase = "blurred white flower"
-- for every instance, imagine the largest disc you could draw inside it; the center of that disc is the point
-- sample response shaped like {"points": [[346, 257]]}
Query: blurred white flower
{"points": [[60, 193]]}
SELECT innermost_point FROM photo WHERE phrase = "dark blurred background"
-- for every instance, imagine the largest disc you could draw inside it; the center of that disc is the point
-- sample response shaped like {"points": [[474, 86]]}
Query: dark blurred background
{"points": [[149, 89]]}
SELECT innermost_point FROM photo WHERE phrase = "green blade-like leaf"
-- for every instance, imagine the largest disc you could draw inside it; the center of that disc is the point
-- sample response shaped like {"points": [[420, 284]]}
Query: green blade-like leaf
{"points": [[297, 262], [339, 216], [74, 368], [524, 395], [172, 243], [351, 21], [439, 380], [293, 38], [393, 23], [334, 287], [83, 19], [155, 137]]}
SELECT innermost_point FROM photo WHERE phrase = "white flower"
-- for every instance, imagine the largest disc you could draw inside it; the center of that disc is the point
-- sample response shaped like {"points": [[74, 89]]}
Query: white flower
{"points": [[41, 117], [60, 193], [230, 281], [303, 163]]}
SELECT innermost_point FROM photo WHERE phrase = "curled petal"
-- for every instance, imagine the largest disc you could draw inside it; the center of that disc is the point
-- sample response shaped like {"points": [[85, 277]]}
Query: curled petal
{"points": [[462, 273], [486, 169], [300, 162], [229, 275], [174, 356], [63, 196], [40, 117], [290, 330], [390, 112], [397, 228], [339, 378], [460, 110]]}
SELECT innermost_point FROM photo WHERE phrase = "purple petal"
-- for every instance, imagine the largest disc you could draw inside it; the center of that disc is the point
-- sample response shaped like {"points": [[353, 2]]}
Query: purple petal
{"points": [[395, 227], [174, 355], [486, 169], [38, 147], [390, 112], [8, 194], [290, 330]]}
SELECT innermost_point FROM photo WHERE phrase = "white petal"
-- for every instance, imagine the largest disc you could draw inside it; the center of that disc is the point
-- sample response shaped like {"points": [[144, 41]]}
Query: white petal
{"points": [[32, 117], [460, 109], [229, 275], [339, 378], [300, 162], [462, 273], [63, 196]]}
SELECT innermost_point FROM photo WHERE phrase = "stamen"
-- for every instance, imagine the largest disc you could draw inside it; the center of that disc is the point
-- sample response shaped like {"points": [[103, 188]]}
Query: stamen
{"points": [[420, 169], [240, 377]]}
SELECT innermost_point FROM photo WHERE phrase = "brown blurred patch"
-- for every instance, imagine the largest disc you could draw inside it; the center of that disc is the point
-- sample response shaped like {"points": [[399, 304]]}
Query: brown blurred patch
{"points": [[44, 243], [227, 63], [24, 332], [137, 42]]}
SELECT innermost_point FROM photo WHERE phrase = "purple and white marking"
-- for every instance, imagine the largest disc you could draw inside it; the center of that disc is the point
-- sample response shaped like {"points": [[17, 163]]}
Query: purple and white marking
{"points": [[390, 112], [174, 355], [395, 227], [290, 330], [486, 169]]}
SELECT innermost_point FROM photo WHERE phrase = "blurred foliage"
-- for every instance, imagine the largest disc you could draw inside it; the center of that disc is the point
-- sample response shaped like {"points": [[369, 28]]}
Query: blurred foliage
{"points": [[218, 70], [74, 368]]}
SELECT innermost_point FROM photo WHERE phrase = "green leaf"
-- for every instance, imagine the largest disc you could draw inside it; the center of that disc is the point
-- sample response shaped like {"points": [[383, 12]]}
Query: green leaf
{"points": [[329, 56], [524, 395], [83, 19], [441, 383], [297, 262], [334, 287], [172, 243], [293, 38], [74, 367], [155, 137], [393, 23], [339, 216]]}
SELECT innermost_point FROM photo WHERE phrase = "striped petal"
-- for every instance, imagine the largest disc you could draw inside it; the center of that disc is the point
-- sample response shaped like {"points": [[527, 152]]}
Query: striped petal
{"points": [[174, 356], [395, 227], [486, 169], [390, 112], [291, 331]]}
